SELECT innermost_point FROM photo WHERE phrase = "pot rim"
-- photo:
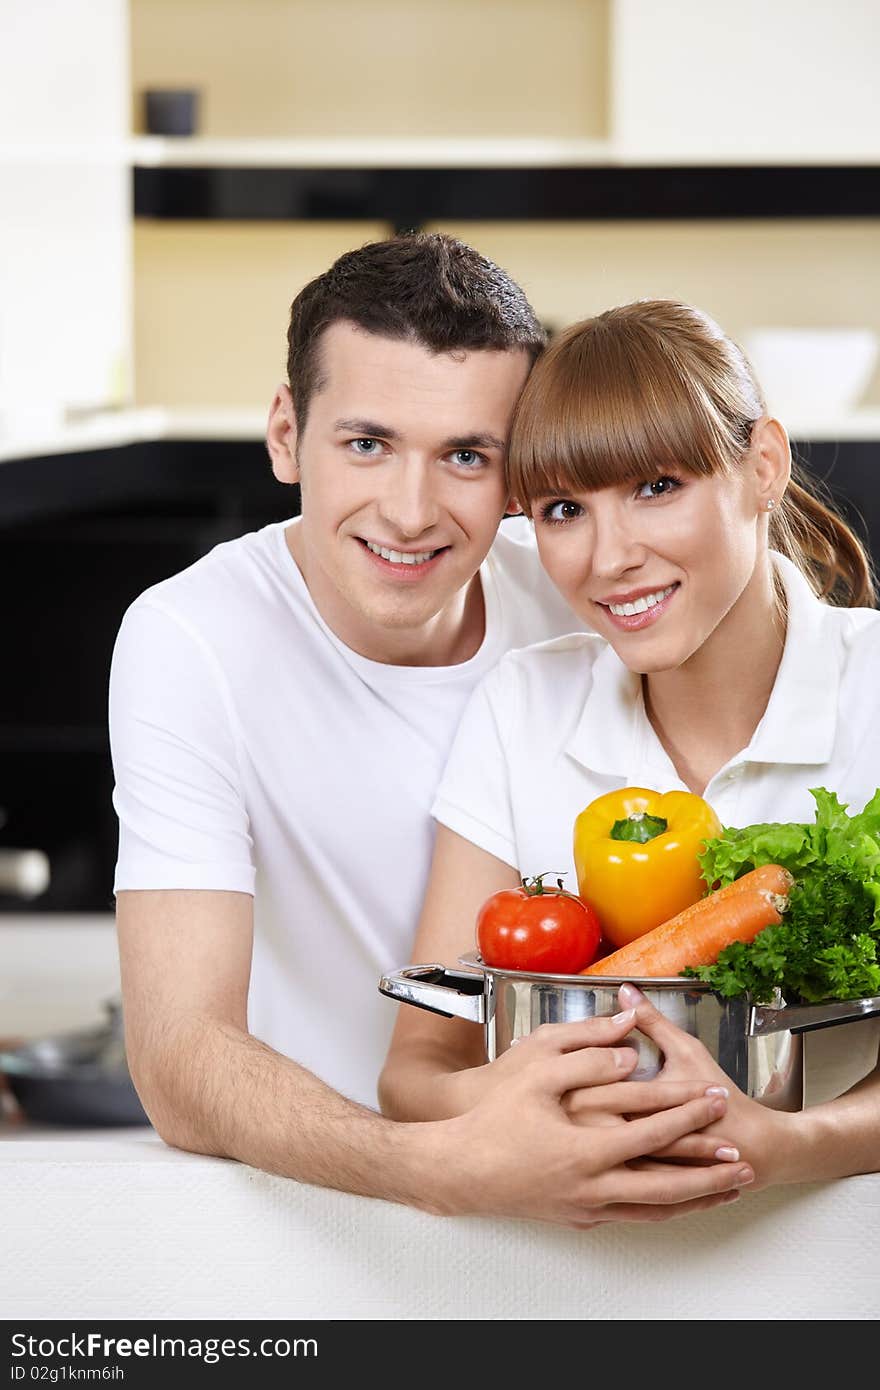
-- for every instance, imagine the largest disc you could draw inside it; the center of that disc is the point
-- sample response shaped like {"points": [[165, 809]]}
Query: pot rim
{"points": [[474, 961]]}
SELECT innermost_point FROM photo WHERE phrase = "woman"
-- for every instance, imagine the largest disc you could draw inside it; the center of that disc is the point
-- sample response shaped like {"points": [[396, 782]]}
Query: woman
{"points": [[731, 653]]}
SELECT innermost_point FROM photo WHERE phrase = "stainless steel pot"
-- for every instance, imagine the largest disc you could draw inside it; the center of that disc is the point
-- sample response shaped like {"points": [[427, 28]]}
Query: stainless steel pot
{"points": [[758, 1046]]}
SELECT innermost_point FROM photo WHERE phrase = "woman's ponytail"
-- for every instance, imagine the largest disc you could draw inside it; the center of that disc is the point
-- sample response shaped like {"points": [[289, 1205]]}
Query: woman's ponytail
{"points": [[811, 533]]}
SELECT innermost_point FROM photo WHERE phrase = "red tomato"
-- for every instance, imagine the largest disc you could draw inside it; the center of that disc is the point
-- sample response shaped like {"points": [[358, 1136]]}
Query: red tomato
{"points": [[544, 930]]}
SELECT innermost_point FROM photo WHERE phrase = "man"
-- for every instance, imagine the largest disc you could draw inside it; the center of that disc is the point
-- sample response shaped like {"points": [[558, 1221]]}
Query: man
{"points": [[280, 714]]}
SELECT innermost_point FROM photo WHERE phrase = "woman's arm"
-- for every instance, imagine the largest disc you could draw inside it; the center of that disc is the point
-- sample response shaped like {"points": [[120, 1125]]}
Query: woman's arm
{"points": [[435, 1066], [836, 1139]]}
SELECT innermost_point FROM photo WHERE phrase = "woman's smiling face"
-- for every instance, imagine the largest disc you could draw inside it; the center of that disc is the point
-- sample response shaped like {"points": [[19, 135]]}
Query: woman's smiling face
{"points": [[654, 567]]}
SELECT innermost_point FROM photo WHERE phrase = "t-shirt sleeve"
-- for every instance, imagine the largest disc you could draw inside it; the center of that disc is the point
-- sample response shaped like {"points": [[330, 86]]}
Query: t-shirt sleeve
{"points": [[473, 798], [178, 788]]}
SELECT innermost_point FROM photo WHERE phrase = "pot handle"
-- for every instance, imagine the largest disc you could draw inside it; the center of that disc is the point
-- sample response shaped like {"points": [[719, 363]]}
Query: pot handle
{"points": [[805, 1018], [452, 993]]}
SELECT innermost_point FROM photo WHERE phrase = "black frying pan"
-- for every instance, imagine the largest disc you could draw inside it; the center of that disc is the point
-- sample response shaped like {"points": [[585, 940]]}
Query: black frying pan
{"points": [[79, 1078]]}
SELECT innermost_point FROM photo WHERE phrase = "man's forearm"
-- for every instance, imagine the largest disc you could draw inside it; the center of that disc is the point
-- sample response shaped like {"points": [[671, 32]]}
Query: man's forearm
{"points": [[211, 1088]]}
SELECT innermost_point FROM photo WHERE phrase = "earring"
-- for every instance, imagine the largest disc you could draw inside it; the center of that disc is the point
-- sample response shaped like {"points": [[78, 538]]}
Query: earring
{"points": [[770, 504]]}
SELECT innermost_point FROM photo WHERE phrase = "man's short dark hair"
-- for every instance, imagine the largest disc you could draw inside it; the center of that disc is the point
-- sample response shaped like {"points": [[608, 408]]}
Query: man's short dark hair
{"points": [[426, 287]]}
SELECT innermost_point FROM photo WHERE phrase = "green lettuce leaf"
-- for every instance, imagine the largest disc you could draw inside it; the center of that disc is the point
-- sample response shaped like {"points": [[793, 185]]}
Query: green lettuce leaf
{"points": [[828, 944]]}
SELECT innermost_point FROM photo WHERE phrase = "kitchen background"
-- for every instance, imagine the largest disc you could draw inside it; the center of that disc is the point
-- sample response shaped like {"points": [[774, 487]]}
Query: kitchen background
{"points": [[601, 150]]}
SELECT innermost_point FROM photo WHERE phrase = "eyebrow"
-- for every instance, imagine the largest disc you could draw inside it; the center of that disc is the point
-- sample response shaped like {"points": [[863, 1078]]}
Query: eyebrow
{"points": [[475, 441], [366, 427], [372, 429]]}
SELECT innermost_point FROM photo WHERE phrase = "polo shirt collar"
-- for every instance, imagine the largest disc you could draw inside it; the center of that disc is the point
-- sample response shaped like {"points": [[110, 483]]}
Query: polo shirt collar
{"points": [[613, 734], [610, 732]]}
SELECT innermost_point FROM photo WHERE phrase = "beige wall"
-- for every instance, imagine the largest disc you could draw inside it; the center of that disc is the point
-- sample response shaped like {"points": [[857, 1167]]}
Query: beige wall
{"points": [[380, 67], [745, 273], [212, 301], [212, 298]]}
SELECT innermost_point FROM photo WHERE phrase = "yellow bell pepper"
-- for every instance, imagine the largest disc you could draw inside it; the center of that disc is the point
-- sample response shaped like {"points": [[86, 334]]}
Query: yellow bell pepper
{"points": [[635, 852]]}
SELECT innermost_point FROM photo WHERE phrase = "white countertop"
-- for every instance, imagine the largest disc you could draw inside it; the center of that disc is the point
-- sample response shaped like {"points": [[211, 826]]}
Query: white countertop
{"points": [[113, 1224]]}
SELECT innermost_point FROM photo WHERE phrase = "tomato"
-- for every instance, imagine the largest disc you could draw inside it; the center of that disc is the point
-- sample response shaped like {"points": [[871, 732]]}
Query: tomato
{"points": [[539, 929]]}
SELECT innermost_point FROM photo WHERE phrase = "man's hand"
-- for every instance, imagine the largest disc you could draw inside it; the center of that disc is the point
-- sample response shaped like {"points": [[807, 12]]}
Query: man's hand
{"points": [[605, 1038]]}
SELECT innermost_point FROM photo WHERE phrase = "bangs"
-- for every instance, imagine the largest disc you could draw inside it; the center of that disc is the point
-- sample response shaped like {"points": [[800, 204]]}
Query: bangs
{"points": [[611, 403]]}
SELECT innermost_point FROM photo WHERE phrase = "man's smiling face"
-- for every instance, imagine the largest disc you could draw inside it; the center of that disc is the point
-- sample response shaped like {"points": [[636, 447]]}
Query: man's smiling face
{"points": [[401, 466]]}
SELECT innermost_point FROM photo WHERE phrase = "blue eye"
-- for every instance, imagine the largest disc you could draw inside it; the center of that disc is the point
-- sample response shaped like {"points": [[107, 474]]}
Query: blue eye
{"points": [[468, 458], [365, 447], [561, 511], [658, 487]]}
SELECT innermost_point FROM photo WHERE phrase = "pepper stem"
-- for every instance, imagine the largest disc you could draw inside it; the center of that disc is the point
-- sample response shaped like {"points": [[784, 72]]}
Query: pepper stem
{"points": [[639, 828]]}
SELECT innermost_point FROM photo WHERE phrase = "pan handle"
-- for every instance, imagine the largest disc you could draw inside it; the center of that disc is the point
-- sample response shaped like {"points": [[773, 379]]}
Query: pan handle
{"points": [[452, 993], [804, 1018]]}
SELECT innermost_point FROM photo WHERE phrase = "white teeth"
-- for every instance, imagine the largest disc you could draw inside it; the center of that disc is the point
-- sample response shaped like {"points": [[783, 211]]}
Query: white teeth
{"points": [[640, 605], [400, 557]]}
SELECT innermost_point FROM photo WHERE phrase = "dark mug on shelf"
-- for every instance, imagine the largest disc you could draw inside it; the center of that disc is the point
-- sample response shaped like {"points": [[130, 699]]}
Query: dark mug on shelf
{"points": [[171, 110]]}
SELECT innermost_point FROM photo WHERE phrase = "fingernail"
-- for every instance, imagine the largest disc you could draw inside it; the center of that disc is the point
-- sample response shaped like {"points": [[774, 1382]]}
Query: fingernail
{"points": [[718, 1106], [629, 995], [729, 1197], [727, 1153], [744, 1176], [626, 1017], [625, 1057], [717, 1091]]}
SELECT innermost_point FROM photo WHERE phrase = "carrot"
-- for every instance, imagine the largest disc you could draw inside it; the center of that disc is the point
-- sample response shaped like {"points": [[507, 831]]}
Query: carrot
{"points": [[697, 935]]}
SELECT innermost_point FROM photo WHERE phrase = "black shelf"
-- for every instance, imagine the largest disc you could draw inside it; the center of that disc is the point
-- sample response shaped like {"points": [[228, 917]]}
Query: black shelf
{"points": [[217, 483], [410, 197]]}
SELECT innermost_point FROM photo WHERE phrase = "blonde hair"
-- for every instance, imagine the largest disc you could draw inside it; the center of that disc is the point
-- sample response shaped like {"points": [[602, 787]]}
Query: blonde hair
{"points": [[655, 386]]}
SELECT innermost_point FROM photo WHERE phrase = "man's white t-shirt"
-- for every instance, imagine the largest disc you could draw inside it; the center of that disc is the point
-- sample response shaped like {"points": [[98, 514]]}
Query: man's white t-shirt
{"points": [[552, 728], [254, 752]]}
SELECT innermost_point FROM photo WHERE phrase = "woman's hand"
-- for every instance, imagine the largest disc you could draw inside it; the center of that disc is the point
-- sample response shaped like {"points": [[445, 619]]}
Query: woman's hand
{"points": [[517, 1151], [761, 1136]]}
